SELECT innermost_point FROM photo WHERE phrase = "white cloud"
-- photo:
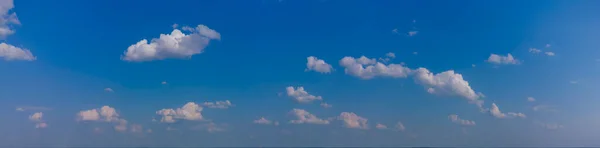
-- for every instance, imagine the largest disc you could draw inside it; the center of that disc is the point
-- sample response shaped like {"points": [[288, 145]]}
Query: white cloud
{"points": [[121, 126], [218, 104], [318, 65], [546, 108], [352, 120], [400, 126], [395, 30], [447, 82], [7, 18], [302, 116], [300, 95], [415, 53], [412, 33], [189, 111], [530, 99], [32, 108], [41, 125], [548, 45], [175, 25], [366, 68], [136, 128], [210, 127], [105, 113], [473, 65], [325, 105], [573, 82], [108, 89], [380, 126], [390, 55], [266, 121], [454, 118], [11, 53], [549, 53], [175, 45], [163, 82], [534, 50], [495, 111], [499, 59], [36, 117]]}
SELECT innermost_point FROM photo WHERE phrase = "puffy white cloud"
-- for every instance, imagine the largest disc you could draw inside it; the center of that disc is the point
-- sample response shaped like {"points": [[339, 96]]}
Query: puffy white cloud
{"points": [[108, 89], [12, 53], [302, 117], [174, 45], [189, 111], [300, 95], [351, 120], [447, 82], [454, 118], [390, 55], [412, 33], [163, 82], [502, 60], [36, 116], [218, 104], [318, 65], [549, 53], [534, 50], [325, 105], [266, 121], [7, 19], [41, 125], [380, 126], [367, 68], [530, 99], [495, 111], [400, 126], [105, 113]]}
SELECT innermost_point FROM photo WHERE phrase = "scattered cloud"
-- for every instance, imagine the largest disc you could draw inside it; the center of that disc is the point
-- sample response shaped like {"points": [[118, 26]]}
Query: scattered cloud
{"points": [[400, 126], [318, 65], [544, 108], [300, 95], [449, 83], [351, 120], [534, 50], [41, 125], [175, 26], [189, 111], [265, 121], [8, 19], [210, 127], [380, 126], [302, 117], [551, 126], [163, 82], [32, 108], [218, 104], [36, 117], [325, 105], [473, 65], [108, 89], [495, 111], [412, 33], [549, 53], [573, 82], [395, 30], [390, 55], [548, 45], [454, 118], [176, 45], [136, 128], [415, 53], [530, 99], [103, 114], [502, 60], [12, 53], [366, 68]]}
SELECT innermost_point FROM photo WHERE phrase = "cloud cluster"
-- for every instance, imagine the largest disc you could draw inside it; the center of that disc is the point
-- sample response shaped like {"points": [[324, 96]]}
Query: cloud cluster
{"points": [[8, 20], [454, 118], [495, 111], [37, 118], [103, 114], [189, 111], [304, 117], [218, 104], [300, 95], [536, 51], [175, 45], [351, 120], [502, 60], [366, 68], [318, 65]]}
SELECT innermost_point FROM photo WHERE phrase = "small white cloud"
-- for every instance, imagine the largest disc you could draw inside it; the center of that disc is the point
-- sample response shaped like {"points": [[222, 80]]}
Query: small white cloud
{"points": [[149, 131], [548, 45], [367, 68], [210, 127], [502, 60], [32, 108], [573, 82], [175, 26], [20, 109], [549, 53], [121, 126], [302, 117], [36, 117], [351, 120], [105, 113], [412, 33], [136, 128], [266, 121], [454, 118], [495, 111], [534, 50], [12, 53], [41, 125], [530, 99], [400, 126], [395, 30], [176, 45], [108, 89], [218, 104], [449, 83], [325, 105], [163, 82], [390, 55], [415, 53], [189, 111], [318, 65], [300, 95], [544, 108], [380, 126], [473, 65]]}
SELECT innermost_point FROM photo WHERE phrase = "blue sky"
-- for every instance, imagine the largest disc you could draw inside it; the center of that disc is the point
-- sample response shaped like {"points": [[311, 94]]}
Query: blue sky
{"points": [[78, 73]]}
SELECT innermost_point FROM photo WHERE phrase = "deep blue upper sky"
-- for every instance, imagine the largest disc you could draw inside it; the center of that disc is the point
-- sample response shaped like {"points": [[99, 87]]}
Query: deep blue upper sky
{"points": [[80, 49]]}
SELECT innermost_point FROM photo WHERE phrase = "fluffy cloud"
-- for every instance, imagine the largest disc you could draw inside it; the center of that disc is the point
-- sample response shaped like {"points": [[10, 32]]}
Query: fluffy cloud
{"points": [[302, 117], [325, 105], [7, 19], [105, 113], [12, 53], [412, 33], [175, 45], [189, 111], [318, 65], [218, 104], [266, 121], [41, 125], [534, 50], [163, 82], [495, 111], [108, 89], [390, 55], [447, 82], [366, 68], [36, 117], [548, 53], [530, 99], [400, 126], [551, 126], [380, 126], [300, 95], [502, 60], [352, 120], [454, 118]]}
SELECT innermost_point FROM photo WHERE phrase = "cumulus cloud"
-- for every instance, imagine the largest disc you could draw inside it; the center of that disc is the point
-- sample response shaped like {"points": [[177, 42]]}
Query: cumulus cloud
{"points": [[390, 55], [189, 111], [400, 126], [351, 120], [449, 83], [454, 118], [534, 50], [530, 99], [8, 19], [175, 45], [366, 68], [304, 117], [300, 95], [502, 60], [36, 117], [12, 53], [318, 65], [265, 121], [380, 126], [325, 105], [105, 113], [218, 104], [495, 111], [549, 53], [136, 128]]}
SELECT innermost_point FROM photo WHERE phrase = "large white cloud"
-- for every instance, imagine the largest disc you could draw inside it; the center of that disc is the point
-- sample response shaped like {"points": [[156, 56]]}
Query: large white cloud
{"points": [[175, 45], [366, 68], [318, 65], [300, 95], [495, 111], [7, 19], [189, 111], [447, 82], [304, 117], [454, 118], [502, 60], [218, 104], [351, 120], [12, 53]]}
